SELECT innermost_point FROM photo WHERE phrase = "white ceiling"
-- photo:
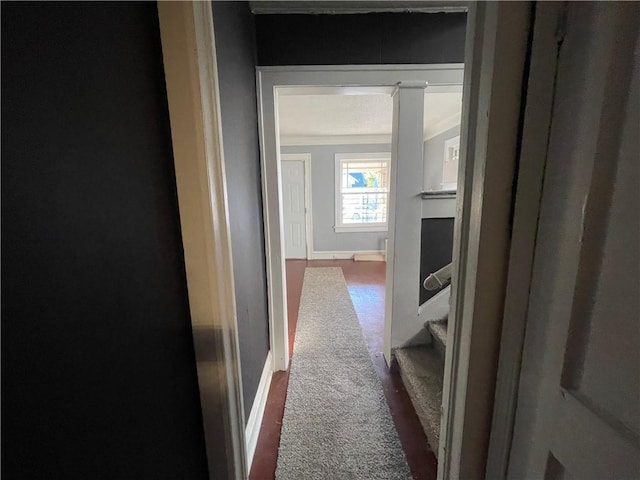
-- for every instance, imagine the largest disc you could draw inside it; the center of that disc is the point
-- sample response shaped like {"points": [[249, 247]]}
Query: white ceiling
{"points": [[320, 115]]}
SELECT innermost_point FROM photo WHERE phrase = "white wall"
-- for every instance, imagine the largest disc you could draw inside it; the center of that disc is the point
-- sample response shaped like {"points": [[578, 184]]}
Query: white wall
{"points": [[433, 157], [323, 186], [437, 207]]}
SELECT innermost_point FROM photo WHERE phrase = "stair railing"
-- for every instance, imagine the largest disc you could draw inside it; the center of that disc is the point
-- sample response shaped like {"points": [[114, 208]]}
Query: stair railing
{"points": [[438, 279]]}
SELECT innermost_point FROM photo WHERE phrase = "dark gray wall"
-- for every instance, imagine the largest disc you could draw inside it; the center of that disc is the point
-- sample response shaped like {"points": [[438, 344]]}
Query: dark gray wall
{"points": [[436, 249], [235, 44], [375, 38], [98, 368]]}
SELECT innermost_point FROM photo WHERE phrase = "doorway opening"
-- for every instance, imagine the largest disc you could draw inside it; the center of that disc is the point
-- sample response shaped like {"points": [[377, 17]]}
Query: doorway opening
{"points": [[336, 178], [489, 138], [335, 152], [320, 129]]}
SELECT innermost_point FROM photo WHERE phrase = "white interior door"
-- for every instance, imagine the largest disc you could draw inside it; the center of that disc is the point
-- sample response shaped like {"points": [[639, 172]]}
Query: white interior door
{"points": [[294, 208], [578, 411]]}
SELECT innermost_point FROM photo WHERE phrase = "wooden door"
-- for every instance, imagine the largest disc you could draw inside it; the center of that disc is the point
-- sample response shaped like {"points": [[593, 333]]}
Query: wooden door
{"points": [[578, 411]]}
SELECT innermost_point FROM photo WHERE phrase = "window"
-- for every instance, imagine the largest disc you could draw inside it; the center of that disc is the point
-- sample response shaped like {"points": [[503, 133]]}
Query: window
{"points": [[362, 191], [450, 164]]}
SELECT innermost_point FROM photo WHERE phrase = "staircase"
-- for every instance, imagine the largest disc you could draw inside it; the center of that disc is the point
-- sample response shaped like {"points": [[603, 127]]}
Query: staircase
{"points": [[422, 367]]}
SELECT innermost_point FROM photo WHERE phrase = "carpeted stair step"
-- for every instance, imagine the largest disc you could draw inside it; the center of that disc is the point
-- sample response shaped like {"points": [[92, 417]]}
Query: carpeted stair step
{"points": [[422, 371], [437, 307], [436, 313], [438, 331]]}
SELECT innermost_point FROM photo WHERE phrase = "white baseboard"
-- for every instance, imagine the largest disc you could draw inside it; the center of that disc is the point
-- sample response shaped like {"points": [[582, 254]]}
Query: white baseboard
{"points": [[371, 255], [252, 430]]}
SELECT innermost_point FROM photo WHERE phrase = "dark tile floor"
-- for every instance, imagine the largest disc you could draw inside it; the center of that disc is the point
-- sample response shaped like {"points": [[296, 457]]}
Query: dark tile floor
{"points": [[365, 281]]}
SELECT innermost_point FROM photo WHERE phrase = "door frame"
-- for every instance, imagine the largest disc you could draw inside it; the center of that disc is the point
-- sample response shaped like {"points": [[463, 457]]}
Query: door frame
{"points": [[533, 158], [308, 211], [191, 75], [344, 77], [496, 60]]}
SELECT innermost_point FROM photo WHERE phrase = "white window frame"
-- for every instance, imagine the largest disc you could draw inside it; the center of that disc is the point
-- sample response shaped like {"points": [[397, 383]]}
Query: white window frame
{"points": [[452, 142], [339, 227]]}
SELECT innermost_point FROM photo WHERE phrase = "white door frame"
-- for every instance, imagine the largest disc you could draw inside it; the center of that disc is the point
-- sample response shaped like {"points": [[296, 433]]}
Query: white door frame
{"points": [[532, 162], [496, 51], [308, 212], [188, 48], [441, 77]]}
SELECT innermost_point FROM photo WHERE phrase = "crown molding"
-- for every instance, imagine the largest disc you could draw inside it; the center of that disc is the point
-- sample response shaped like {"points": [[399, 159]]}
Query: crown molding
{"points": [[300, 140], [443, 125]]}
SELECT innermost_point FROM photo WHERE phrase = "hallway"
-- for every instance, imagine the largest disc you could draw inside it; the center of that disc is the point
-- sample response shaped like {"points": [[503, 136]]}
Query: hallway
{"points": [[365, 281]]}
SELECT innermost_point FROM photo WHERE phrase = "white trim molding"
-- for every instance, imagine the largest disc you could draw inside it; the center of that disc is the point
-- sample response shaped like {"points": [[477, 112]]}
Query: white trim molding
{"points": [[288, 76], [401, 325], [189, 54], [340, 227], [495, 55], [361, 228], [532, 163], [442, 126], [252, 430], [292, 141], [362, 255], [270, 80]]}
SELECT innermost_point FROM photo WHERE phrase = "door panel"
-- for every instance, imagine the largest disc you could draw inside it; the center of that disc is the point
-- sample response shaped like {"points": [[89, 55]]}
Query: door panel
{"points": [[578, 413], [293, 208]]}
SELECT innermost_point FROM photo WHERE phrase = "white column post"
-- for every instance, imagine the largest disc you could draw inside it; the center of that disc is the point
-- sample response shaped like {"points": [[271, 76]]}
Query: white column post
{"points": [[405, 213]]}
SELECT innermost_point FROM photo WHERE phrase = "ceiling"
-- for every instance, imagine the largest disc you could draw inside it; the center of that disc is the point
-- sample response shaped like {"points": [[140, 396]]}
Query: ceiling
{"points": [[333, 115]]}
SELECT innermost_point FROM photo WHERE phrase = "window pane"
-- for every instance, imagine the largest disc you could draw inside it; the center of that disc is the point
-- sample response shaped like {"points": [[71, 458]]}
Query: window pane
{"points": [[364, 186], [362, 208], [365, 175]]}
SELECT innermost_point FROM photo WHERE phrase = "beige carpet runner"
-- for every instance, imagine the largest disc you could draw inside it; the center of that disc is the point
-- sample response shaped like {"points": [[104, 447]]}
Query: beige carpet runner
{"points": [[337, 425]]}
